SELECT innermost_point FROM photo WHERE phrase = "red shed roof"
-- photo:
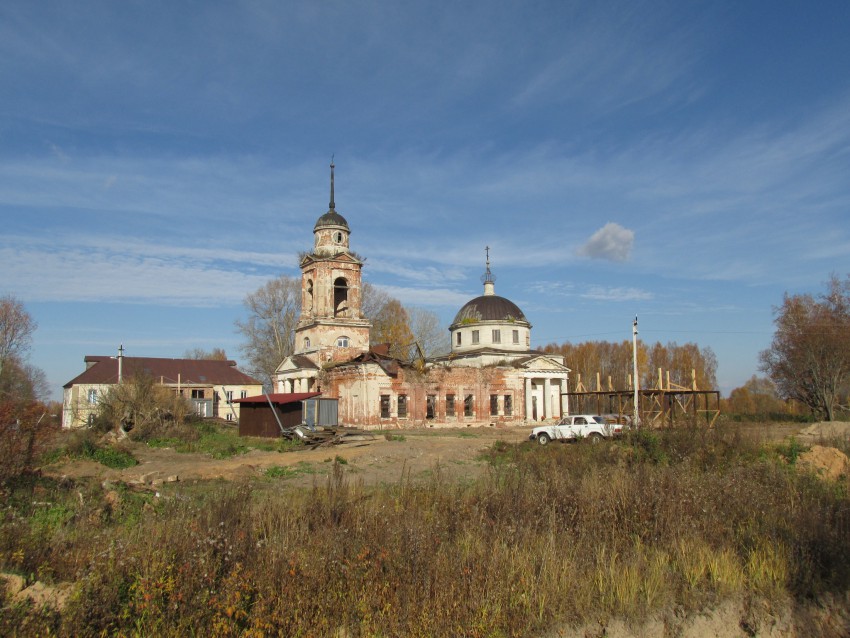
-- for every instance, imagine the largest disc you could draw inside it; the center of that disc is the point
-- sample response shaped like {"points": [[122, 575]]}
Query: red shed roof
{"points": [[104, 370], [279, 397]]}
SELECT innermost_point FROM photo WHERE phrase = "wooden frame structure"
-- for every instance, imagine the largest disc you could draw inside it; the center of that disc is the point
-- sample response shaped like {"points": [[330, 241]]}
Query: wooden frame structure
{"points": [[665, 404]]}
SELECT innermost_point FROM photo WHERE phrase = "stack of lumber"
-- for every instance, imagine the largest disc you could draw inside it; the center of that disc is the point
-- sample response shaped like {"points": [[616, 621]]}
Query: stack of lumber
{"points": [[323, 436]]}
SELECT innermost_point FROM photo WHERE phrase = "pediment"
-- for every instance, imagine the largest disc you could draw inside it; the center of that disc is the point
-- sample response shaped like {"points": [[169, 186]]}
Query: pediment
{"points": [[543, 362]]}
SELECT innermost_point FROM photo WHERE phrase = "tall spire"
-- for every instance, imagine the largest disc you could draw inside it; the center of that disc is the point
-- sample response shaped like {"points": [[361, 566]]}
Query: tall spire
{"points": [[487, 278], [332, 183]]}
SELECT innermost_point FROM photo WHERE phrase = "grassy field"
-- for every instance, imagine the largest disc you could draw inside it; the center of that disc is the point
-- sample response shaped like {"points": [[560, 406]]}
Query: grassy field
{"points": [[547, 538]]}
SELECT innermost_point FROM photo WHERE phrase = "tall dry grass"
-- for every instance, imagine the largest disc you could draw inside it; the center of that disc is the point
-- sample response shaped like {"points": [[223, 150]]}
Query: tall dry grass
{"points": [[565, 534]]}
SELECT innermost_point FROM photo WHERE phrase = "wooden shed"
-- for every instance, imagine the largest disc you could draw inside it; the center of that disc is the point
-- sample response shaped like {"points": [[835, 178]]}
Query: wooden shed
{"points": [[257, 414]]}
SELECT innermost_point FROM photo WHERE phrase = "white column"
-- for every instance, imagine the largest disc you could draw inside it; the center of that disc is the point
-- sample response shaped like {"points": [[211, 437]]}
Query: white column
{"points": [[528, 412], [547, 398]]}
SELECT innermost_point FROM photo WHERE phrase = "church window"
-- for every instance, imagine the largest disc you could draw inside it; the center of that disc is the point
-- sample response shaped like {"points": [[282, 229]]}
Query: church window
{"points": [[306, 342], [497, 336], [450, 405], [340, 297], [509, 405], [474, 336], [431, 406], [467, 405], [385, 406], [338, 237], [516, 337], [402, 406], [309, 294], [342, 342], [494, 404], [458, 338]]}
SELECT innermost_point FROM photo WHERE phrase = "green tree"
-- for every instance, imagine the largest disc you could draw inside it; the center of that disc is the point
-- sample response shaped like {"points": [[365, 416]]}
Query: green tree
{"points": [[809, 357]]}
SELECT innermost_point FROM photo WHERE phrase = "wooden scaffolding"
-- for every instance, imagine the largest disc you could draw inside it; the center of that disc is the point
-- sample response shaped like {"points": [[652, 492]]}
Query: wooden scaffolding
{"points": [[665, 404]]}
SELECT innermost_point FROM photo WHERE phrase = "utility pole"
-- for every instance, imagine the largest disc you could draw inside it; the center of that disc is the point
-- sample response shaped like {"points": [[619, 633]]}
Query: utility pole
{"points": [[636, 417], [120, 362]]}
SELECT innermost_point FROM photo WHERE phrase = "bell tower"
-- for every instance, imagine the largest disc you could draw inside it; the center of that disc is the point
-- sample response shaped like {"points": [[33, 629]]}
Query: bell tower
{"points": [[332, 326]]}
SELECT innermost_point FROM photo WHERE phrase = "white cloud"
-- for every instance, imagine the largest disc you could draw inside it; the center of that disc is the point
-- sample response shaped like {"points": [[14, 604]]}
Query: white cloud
{"points": [[611, 242]]}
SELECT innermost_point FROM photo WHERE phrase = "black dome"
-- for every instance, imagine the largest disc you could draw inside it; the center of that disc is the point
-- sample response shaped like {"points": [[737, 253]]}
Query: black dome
{"points": [[489, 308], [331, 218]]}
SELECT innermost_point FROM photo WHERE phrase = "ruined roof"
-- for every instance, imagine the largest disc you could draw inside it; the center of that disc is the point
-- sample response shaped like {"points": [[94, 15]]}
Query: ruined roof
{"points": [[331, 218], [489, 308], [101, 369], [279, 398], [303, 361]]}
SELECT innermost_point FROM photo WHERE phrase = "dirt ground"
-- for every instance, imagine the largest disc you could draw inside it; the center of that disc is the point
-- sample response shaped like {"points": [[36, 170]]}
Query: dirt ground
{"points": [[456, 453], [382, 459]]}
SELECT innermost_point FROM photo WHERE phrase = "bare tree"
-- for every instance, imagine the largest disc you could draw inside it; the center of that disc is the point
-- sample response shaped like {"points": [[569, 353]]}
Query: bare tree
{"points": [[216, 354], [372, 300], [269, 330], [809, 358], [16, 328], [427, 331]]}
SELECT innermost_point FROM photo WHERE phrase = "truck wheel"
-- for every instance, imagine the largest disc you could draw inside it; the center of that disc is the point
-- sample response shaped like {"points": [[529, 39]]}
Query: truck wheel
{"points": [[594, 437], [543, 438]]}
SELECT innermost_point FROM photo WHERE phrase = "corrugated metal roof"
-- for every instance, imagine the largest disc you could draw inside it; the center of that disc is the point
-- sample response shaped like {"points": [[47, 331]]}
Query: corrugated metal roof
{"points": [[279, 397], [104, 370]]}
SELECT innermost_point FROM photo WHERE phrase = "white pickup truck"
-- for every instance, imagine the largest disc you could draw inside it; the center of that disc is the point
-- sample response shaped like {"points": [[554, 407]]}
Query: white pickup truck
{"points": [[579, 426]]}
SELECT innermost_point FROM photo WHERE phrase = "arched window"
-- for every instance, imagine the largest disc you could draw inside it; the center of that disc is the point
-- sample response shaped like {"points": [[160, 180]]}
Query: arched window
{"points": [[309, 294], [342, 342], [306, 342], [340, 297]]}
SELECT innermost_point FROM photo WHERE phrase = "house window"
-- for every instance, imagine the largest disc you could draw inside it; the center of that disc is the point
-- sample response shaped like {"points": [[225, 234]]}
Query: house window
{"points": [[450, 405], [431, 406], [229, 416], [197, 394], [474, 336], [509, 405], [467, 405], [516, 337], [497, 336], [494, 405], [243, 394], [402, 406], [92, 396], [457, 335], [229, 395], [342, 342], [385, 406]]}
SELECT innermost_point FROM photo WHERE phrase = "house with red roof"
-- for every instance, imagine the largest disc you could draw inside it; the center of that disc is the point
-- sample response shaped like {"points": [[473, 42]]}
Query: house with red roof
{"points": [[212, 386]]}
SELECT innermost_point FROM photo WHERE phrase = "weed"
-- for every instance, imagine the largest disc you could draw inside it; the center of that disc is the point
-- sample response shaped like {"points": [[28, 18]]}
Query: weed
{"points": [[394, 437]]}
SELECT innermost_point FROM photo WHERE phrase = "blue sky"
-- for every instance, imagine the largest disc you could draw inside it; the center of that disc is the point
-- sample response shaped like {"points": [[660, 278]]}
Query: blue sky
{"points": [[685, 162]]}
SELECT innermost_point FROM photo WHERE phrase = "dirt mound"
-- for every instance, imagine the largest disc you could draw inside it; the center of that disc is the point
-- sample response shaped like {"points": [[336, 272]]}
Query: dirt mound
{"points": [[826, 462], [827, 430]]}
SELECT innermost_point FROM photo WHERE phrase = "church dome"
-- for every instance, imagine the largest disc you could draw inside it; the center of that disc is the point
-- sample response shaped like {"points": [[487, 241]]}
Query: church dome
{"points": [[489, 308], [331, 218]]}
